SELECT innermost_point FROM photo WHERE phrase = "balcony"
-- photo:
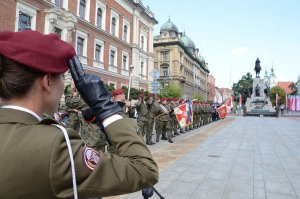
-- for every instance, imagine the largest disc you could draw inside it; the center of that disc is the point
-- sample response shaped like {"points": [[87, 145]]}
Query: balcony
{"points": [[98, 64], [113, 69]]}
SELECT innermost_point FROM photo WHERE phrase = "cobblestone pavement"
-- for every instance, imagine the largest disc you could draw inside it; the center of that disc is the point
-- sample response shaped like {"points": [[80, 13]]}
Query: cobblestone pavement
{"points": [[236, 158]]}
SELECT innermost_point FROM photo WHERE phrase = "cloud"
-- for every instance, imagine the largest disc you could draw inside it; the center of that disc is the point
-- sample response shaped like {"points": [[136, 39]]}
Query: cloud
{"points": [[239, 51]]}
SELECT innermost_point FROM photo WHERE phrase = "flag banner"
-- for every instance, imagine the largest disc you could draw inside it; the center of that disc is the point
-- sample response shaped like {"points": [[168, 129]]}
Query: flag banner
{"points": [[184, 114], [222, 111], [295, 103], [241, 100]]}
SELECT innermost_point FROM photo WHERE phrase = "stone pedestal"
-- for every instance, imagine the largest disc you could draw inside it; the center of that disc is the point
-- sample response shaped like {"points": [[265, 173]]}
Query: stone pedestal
{"points": [[259, 104]]}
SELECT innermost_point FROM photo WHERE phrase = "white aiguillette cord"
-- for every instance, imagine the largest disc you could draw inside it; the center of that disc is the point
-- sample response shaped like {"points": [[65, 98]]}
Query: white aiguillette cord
{"points": [[71, 158]]}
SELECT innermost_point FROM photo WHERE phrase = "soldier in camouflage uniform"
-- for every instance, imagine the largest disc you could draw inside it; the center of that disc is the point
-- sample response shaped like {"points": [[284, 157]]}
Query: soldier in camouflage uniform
{"points": [[153, 109], [194, 114], [164, 124], [173, 119], [119, 97], [74, 105], [90, 132], [142, 117]]}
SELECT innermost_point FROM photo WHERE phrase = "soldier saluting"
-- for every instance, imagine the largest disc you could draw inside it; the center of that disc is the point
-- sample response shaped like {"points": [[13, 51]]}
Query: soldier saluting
{"points": [[41, 160]]}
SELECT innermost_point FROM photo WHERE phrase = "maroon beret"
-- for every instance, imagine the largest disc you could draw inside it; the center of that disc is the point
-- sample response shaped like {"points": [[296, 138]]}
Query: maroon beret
{"points": [[45, 53], [181, 100], [151, 94], [141, 95], [117, 92]]}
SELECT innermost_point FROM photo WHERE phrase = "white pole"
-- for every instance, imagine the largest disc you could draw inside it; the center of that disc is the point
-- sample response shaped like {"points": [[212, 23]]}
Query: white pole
{"points": [[129, 86]]}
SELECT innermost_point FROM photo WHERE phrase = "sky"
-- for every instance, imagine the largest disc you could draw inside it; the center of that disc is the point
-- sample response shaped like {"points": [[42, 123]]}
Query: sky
{"points": [[231, 34]]}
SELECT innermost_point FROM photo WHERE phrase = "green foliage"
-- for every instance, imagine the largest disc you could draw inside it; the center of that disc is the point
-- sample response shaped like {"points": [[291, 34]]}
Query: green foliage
{"points": [[294, 88], [198, 97], [172, 90], [280, 92], [109, 88], [243, 87]]}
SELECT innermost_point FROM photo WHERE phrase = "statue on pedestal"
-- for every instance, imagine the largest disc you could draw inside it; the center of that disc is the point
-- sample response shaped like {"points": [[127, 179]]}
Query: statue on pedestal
{"points": [[257, 67], [257, 91]]}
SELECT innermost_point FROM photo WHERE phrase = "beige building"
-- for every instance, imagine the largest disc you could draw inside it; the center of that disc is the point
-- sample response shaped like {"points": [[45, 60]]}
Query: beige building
{"points": [[179, 61]]}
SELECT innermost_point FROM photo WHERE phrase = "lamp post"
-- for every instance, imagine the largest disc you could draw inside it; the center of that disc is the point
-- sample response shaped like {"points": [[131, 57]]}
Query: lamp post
{"points": [[129, 86]]}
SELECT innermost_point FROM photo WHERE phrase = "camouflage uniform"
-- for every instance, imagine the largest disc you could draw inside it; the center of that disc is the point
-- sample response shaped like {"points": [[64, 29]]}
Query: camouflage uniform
{"points": [[74, 104], [92, 135], [162, 126], [153, 109], [173, 119], [142, 111]]}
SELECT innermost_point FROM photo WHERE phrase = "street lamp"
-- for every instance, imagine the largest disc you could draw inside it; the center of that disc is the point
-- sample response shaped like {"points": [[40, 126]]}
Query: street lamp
{"points": [[129, 86]]}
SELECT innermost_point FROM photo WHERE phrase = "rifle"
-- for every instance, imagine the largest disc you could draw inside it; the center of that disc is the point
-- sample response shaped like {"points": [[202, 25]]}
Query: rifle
{"points": [[148, 193]]}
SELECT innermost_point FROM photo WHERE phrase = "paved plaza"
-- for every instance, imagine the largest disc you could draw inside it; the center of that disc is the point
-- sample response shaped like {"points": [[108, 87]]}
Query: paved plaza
{"points": [[236, 158]]}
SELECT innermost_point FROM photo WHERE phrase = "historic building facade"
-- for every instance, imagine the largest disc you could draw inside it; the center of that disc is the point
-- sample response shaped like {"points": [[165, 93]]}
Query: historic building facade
{"points": [[113, 38], [211, 87], [179, 62]]}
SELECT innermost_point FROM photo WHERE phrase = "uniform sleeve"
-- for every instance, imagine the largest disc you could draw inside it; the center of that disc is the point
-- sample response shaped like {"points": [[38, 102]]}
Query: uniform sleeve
{"points": [[73, 102], [130, 169]]}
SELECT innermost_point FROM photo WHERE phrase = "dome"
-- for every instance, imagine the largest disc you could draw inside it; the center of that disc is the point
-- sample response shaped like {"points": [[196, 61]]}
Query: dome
{"points": [[202, 61], [168, 27], [187, 42]]}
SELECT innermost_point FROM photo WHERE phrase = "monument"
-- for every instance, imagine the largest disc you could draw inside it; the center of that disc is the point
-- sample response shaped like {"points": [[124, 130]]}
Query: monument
{"points": [[259, 103]]}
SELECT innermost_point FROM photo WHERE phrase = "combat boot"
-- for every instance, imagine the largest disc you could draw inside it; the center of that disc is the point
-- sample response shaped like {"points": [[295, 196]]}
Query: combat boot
{"points": [[150, 143], [170, 140], [164, 138]]}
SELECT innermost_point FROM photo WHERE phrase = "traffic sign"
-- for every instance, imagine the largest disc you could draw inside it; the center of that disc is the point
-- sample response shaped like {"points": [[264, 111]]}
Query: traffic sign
{"points": [[154, 74]]}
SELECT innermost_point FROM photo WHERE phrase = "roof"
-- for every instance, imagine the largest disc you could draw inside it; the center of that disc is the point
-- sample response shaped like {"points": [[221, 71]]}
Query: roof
{"points": [[285, 87], [169, 26]]}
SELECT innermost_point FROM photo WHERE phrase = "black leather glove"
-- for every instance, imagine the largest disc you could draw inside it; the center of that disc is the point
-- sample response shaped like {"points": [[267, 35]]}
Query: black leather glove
{"points": [[92, 91]]}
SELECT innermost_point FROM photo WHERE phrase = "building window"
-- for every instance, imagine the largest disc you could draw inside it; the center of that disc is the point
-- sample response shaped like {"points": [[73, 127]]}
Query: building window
{"points": [[113, 26], [112, 57], [24, 21], [124, 62], [125, 33], [58, 31], [142, 68], [80, 44], [82, 6], [142, 42], [165, 56], [165, 71], [99, 17], [98, 52], [59, 3]]}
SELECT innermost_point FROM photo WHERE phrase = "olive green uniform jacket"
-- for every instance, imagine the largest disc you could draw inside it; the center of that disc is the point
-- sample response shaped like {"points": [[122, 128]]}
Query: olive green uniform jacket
{"points": [[35, 162]]}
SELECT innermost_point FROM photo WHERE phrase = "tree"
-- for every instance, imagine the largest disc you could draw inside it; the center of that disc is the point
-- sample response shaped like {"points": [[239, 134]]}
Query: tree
{"points": [[281, 94], [198, 97], [172, 90], [109, 88], [243, 87], [294, 88]]}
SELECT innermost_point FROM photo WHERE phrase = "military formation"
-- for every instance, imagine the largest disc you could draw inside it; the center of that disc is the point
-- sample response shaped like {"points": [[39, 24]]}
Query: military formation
{"points": [[155, 117]]}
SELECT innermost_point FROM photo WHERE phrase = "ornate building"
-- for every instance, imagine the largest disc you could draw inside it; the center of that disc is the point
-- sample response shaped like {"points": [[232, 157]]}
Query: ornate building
{"points": [[109, 36], [211, 87], [179, 61], [270, 80]]}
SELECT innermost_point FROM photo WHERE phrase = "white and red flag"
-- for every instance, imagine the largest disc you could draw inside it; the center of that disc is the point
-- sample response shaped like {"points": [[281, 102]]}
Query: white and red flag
{"points": [[241, 100], [184, 114]]}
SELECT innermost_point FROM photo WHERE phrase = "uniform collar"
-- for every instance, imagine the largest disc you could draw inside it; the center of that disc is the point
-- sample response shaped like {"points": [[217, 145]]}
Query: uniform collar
{"points": [[13, 115], [23, 109]]}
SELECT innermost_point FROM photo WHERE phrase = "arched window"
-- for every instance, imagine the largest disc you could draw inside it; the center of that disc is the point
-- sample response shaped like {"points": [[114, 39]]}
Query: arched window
{"points": [[125, 33], [99, 17], [113, 26], [82, 7]]}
